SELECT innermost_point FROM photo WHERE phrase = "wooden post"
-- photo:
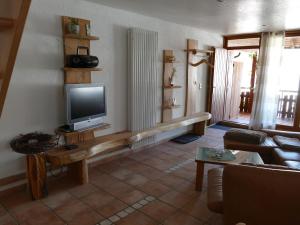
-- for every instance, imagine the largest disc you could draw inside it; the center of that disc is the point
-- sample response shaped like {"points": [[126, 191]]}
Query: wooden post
{"points": [[79, 171], [199, 176], [199, 128], [37, 175], [284, 105]]}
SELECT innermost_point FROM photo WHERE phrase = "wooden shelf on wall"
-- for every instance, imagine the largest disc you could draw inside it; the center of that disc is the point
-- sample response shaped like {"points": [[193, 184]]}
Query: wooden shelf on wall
{"points": [[82, 69], [168, 89], [6, 23], [81, 37], [71, 43], [172, 87], [195, 51], [172, 107], [172, 62]]}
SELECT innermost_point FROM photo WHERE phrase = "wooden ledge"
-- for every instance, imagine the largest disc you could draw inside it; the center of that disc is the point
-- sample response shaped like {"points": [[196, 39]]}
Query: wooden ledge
{"points": [[163, 127], [103, 144], [109, 143]]}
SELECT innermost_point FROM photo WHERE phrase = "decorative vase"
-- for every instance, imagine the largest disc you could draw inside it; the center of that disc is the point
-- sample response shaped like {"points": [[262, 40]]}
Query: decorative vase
{"points": [[171, 78]]}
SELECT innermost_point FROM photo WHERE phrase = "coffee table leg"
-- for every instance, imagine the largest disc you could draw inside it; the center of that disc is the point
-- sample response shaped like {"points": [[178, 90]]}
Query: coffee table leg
{"points": [[199, 176]]}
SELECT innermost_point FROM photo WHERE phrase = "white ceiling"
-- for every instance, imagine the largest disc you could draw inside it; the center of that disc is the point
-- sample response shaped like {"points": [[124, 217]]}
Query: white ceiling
{"points": [[223, 16]]}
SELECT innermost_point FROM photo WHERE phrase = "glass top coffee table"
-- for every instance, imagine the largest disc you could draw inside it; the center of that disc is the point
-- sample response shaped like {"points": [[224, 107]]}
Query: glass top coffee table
{"points": [[222, 157]]}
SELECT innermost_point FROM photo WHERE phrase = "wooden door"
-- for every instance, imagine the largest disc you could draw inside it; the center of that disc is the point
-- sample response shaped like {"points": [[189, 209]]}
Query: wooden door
{"points": [[219, 85]]}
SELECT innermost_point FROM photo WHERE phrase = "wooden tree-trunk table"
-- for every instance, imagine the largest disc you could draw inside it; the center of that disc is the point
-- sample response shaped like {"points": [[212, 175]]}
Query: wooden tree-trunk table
{"points": [[37, 175]]}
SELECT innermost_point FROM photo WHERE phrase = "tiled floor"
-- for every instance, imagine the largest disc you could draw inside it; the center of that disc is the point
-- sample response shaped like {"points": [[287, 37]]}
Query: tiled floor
{"points": [[151, 187]]}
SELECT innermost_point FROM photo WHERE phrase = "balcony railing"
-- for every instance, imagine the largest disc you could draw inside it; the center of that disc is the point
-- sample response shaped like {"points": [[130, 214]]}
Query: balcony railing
{"points": [[287, 100], [287, 104], [246, 101]]}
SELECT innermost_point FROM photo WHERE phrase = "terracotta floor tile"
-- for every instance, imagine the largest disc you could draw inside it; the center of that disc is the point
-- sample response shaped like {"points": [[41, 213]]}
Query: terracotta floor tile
{"points": [[118, 188], [176, 199], [55, 200], [136, 218], [15, 199], [158, 163], [108, 167], [188, 175], [26, 211], [132, 197], [128, 179], [215, 219], [87, 217], [191, 167], [152, 173], [111, 208], [136, 179], [73, 209], [158, 210], [172, 151], [181, 218], [104, 180], [97, 199], [6, 219], [197, 209], [121, 173], [35, 213], [171, 181], [126, 162], [188, 188], [154, 188], [83, 190], [2, 211], [142, 155]]}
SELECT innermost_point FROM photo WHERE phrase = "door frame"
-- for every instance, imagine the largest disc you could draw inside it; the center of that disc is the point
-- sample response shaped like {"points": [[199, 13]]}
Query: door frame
{"points": [[289, 33]]}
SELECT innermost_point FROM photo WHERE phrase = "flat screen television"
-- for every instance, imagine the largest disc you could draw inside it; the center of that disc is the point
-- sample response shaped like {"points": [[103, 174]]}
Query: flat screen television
{"points": [[85, 105]]}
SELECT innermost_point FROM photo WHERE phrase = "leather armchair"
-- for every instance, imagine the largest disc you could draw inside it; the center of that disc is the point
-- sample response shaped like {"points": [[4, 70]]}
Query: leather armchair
{"points": [[254, 195]]}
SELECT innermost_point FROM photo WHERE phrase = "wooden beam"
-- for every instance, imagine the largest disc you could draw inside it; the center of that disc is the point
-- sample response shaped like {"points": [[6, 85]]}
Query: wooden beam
{"points": [[12, 54], [242, 36], [6, 23], [243, 47]]}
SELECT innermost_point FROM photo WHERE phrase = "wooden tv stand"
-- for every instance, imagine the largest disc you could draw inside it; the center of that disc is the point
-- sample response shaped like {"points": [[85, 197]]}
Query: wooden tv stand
{"points": [[76, 159]]}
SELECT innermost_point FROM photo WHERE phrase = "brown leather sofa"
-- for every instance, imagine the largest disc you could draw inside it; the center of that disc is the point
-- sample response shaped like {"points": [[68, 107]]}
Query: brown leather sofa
{"points": [[255, 195], [270, 151]]}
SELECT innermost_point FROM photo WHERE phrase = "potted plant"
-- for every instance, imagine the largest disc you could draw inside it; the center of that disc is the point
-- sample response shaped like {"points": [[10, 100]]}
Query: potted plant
{"points": [[73, 26]]}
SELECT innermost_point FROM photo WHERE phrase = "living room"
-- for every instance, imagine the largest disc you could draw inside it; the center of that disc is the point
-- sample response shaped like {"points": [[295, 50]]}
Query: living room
{"points": [[121, 112]]}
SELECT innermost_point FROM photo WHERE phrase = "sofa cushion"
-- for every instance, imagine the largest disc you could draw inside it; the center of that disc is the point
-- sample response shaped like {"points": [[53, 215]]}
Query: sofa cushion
{"points": [[287, 142], [245, 136], [215, 190], [281, 155]]}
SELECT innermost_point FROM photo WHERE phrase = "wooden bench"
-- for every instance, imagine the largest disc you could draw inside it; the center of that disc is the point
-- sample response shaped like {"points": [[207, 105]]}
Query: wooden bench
{"points": [[76, 160]]}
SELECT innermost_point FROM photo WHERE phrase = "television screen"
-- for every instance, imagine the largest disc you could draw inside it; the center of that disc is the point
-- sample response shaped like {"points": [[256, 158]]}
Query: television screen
{"points": [[85, 102]]}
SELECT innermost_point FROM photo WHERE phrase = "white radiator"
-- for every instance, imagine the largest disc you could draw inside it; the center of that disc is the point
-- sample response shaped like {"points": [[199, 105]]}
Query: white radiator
{"points": [[142, 81]]}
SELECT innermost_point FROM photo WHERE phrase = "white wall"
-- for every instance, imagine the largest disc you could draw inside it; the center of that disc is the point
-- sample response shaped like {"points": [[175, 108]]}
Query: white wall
{"points": [[35, 98]]}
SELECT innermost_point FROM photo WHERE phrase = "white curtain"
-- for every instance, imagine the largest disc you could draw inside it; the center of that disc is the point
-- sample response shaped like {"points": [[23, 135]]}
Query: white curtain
{"points": [[264, 111]]}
